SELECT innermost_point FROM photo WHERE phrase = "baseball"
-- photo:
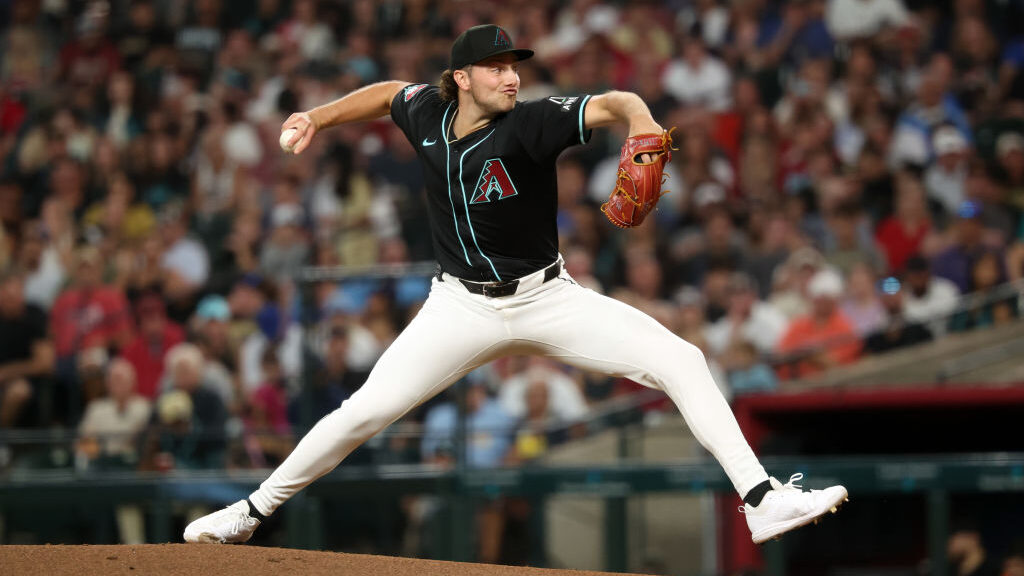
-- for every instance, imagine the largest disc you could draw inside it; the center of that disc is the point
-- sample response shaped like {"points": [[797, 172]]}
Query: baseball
{"points": [[285, 137]]}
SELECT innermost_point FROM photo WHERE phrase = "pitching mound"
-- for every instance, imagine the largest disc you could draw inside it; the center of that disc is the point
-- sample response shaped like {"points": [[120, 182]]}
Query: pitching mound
{"points": [[191, 559]]}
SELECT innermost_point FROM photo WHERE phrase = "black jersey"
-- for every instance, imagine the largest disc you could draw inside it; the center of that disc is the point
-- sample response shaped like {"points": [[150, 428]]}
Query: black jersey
{"points": [[492, 195]]}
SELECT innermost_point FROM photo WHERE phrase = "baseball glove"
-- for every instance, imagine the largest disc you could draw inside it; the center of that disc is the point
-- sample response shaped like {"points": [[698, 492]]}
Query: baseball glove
{"points": [[638, 184]]}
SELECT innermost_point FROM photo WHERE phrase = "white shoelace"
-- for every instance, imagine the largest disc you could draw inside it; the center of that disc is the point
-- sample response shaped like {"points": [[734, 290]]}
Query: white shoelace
{"points": [[791, 485], [779, 486]]}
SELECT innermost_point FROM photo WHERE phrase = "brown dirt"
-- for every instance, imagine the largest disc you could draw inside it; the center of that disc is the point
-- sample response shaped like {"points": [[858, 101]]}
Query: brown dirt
{"points": [[190, 559]]}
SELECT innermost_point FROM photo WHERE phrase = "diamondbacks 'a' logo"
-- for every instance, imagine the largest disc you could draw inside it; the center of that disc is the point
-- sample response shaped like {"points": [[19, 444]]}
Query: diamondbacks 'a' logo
{"points": [[410, 91], [501, 38], [565, 103], [493, 180]]}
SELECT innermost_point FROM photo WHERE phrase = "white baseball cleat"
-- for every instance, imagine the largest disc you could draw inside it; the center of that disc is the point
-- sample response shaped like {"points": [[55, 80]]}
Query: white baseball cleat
{"points": [[231, 525], [786, 507]]}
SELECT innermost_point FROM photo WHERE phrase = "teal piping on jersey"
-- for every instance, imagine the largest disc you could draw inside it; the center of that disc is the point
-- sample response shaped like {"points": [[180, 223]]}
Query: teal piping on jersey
{"points": [[583, 106], [466, 204], [448, 173]]}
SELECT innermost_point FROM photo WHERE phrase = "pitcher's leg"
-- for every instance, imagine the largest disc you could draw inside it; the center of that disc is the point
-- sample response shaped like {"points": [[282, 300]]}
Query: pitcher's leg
{"points": [[443, 342], [595, 332]]}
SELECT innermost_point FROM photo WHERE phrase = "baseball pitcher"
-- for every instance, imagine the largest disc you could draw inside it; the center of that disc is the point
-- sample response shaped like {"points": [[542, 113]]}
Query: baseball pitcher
{"points": [[489, 166]]}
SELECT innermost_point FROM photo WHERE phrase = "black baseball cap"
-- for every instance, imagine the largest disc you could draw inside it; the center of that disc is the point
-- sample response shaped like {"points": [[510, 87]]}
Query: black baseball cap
{"points": [[481, 42]]}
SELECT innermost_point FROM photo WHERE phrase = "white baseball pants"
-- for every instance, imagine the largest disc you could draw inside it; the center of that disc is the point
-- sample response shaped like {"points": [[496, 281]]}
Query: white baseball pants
{"points": [[457, 331]]}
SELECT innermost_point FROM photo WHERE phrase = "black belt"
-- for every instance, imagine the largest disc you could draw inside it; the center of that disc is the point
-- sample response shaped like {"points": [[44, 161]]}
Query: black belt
{"points": [[508, 287]]}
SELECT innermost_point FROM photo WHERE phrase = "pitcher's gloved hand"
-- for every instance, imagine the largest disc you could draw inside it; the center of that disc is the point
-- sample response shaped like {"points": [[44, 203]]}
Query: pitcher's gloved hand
{"points": [[641, 174]]}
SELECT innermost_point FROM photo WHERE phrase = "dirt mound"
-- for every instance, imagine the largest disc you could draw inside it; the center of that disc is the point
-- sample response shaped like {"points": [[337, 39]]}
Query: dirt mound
{"points": [[190, 559]]}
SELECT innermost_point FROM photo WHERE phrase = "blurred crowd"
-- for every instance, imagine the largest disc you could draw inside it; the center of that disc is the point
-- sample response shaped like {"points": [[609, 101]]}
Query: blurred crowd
{"points": [[845, 172]]}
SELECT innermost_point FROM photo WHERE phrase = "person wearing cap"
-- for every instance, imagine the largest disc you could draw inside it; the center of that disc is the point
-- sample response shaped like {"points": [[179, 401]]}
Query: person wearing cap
{"points": [[822, 339], [946, 178], [501, 287]]}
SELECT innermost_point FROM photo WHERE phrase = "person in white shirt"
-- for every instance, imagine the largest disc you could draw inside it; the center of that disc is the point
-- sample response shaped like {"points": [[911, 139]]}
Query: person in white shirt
{"points": [[928, 299], [567, 402], [945, 178], [698, 78], [107, 437], [184, 259], [851, 19], [747, 319], [110, 423]]}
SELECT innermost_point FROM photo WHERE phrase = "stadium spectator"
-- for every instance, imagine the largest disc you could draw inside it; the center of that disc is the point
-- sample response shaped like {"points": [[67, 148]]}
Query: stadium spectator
{"points": [[945, 179], [286, 249], [335, 381], [268, 433], [897, 331], [849, 240], [822, 339], [1010, 159], [156, 335], [86, 316], [986, 276], [903, 234], [44, 264], [697, 78], [189, 419], [26, 356], [490, 429], [185, 262], [488, 444], [746, 372], [967, 554], [791, 279], [746, 319], [108, 434], [861, 303], [852, 19], [538, 428], [956, 263], [926, 298], [567, 403], [109, 438]]}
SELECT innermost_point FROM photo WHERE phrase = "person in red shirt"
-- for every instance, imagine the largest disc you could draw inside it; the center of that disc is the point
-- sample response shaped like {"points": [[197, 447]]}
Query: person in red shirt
{"points": [[157, 334], [824, 337], [902, 234], [85, 316]]}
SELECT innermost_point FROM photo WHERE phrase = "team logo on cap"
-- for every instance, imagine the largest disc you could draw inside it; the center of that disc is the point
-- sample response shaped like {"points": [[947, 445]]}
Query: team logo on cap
{"points": [[411, 91], [493, 179], [501, 38]]}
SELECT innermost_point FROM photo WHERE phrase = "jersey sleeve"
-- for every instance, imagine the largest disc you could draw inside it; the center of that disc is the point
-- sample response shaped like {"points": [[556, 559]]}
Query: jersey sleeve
{"points": [[415, 108], [550, 125]]}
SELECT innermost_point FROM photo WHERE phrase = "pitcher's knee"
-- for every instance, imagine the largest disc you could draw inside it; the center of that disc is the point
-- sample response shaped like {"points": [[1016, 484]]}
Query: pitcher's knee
{"points": [[688, 354], [359, 422]]}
